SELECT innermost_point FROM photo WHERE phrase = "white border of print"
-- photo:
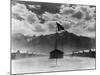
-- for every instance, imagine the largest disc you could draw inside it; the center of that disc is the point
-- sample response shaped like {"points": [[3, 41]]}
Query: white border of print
{"points": [[5, 37]]}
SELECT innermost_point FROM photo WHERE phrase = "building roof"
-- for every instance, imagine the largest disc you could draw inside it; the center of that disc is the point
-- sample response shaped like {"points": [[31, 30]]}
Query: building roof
{"points": [[56, 51]]}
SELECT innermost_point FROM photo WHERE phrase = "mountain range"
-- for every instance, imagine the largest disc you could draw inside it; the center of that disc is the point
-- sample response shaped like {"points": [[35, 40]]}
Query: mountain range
{"points": [[46, 43]]}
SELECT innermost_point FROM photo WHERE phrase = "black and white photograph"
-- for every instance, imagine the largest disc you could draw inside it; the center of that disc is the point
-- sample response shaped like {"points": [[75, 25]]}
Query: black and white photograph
{"points": [[52, 37]]}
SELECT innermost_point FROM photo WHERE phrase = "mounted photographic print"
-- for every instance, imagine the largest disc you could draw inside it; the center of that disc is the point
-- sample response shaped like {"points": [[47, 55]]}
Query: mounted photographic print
{"points": [[52, 37]]}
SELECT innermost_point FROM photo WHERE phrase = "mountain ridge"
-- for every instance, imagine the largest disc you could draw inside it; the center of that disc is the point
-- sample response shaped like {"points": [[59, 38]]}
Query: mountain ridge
{"points": [[46, 43]]}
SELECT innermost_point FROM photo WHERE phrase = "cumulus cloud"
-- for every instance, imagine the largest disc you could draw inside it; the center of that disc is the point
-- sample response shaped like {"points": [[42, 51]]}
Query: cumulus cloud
{"points": [[78, 19], [51, 26], [22, 11], [81, 32], [28, 29], [78, 15], [75, 23], [32, 18], [23, 20], [67, 10], [39, 28], [21, 27], [19, 8], [47, 16], [34, 6], [17, 16], [82, 19]]}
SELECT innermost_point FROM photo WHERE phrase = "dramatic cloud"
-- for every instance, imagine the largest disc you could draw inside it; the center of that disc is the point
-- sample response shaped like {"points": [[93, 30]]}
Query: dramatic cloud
{"points": [[32, 18], [51, 26], [50, 17], [21, 27], [23, 20], [21, 11], [40, 18], [67, 10], [78, 15], [17, 16], [34, 6], [82, 19], [40, 28]]}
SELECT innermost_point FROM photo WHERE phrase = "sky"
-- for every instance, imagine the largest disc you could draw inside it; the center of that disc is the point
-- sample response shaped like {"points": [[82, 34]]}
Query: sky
{"points": [[38, 18]]}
